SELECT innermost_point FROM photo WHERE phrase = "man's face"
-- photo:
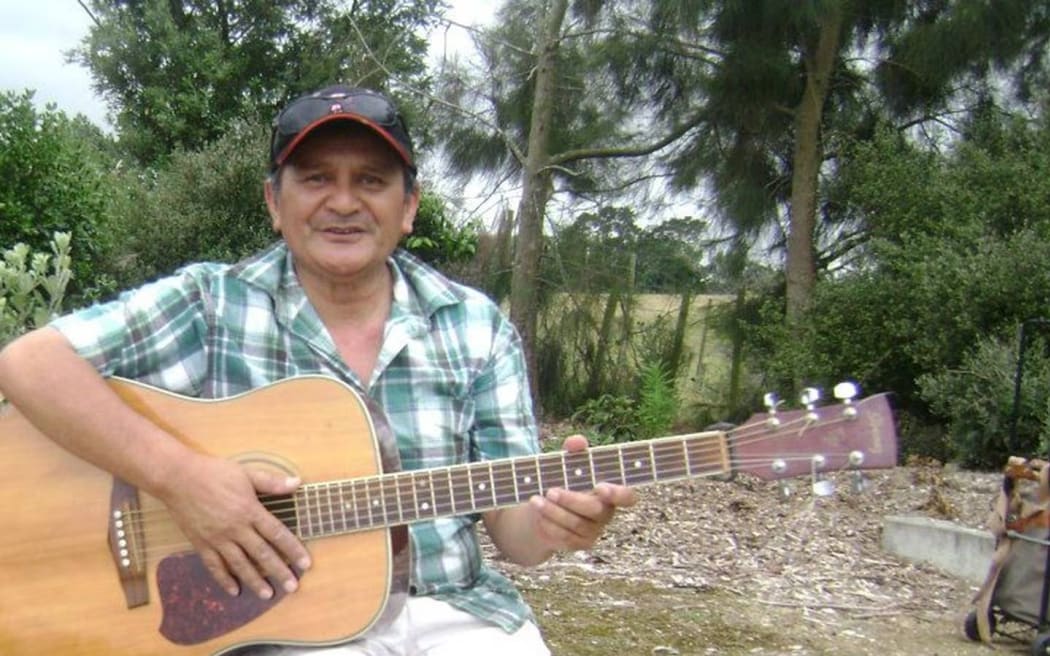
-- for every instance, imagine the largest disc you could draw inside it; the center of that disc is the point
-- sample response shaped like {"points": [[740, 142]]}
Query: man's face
{"points": [[341, 204]]}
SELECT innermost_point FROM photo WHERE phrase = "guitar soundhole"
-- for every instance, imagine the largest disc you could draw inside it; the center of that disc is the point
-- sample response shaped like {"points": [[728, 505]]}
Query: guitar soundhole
{"points": [[196, 609]]}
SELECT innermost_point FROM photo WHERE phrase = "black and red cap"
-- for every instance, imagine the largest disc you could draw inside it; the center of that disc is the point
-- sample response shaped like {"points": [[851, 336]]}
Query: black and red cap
{"points": [[339, 103]]}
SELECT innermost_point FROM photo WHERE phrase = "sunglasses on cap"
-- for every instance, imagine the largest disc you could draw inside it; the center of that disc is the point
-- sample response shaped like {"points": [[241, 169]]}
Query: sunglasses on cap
{"points": [[369, 108]]}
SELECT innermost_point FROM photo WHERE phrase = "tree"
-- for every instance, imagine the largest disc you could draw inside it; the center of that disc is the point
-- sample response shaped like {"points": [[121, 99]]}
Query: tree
{"points": [[786, 83], [930, 307], [550, 112], [178, 74]]}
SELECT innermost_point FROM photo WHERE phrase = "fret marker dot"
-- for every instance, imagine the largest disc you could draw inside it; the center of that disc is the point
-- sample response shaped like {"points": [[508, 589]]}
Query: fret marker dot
{"points": [[528, 479], [376, 503], [578, 472], [481, 486], [637, 464], [426, 506]]}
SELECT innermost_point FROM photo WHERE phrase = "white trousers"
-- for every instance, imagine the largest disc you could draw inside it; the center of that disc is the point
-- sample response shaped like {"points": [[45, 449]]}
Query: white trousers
{"points": [[427, 627]]}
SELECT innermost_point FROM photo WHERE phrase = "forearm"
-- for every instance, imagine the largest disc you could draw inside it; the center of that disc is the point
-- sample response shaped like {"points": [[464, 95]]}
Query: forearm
{"points": [[67, 400]]}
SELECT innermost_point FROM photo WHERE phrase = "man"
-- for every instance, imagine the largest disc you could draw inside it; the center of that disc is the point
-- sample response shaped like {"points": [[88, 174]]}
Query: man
{"points": [[335, 296]]}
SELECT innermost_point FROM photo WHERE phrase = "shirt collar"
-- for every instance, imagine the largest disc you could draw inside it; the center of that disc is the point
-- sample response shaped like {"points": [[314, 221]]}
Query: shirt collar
{"points": [[419, 290]]}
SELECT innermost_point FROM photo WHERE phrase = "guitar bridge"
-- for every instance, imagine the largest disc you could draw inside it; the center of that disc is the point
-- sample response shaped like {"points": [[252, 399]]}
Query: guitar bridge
{"points": [[127, 543]]}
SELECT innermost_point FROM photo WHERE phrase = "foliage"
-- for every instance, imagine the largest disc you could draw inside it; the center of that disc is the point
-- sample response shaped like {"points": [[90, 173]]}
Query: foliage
{"points": [[610, 249], [959, 254], [52, 179], [657, 401], [178, 74], [32, 286], [977, 401], [611, 418], [670, 256], [436, 239], [203, 205], [596, 252], [780, 86], [587, 131], [649, 413]]}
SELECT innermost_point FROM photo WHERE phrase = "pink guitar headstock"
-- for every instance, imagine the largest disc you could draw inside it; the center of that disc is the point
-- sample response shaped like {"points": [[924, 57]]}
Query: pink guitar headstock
{"points": [[851, 435]]}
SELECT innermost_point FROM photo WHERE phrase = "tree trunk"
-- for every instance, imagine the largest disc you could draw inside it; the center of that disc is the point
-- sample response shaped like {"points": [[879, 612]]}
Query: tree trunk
{"points": [[674, 357], [536, 190], [627, 302], [801, 270], [601, 349], [736, 358], [700, 368]]}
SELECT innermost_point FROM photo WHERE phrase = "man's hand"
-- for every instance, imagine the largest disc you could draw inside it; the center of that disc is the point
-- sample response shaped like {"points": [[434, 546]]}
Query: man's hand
{"points": [[567, 520], [559, 520], [215, 503]]}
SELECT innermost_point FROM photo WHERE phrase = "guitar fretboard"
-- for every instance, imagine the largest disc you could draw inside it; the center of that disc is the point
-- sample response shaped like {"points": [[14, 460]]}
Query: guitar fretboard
{"points": [[347, 506]]}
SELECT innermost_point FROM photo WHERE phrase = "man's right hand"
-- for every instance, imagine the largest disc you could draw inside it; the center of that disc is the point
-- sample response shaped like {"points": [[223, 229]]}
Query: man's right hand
{"points": [[215, 503]]}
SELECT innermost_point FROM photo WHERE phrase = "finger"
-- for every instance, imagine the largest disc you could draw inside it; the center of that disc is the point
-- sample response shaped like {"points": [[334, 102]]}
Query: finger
{"points": [[245, 570], [271, 483], [588, 506], [288, 546], [575, 443], [559, 511], [554, 526], [619, 496], [271, 565], [216, 566]]}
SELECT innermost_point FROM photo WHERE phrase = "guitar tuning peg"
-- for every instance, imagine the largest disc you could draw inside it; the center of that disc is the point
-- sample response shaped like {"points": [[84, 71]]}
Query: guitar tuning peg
{"points": [[822, 487], [779, 466], [846, 392], [809, 398], [858, 483], [771, 402]]}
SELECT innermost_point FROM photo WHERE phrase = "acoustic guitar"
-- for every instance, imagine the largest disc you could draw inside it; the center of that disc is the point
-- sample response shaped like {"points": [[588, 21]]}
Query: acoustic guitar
{"points": [[91, 566]]}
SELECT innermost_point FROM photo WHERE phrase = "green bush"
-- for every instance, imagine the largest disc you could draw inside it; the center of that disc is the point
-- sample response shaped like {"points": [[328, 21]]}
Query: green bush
{"points": [[53, 178], [609, 418], [436, 239], [32, 286], [201, 206], [956, 254], [977, 400]]}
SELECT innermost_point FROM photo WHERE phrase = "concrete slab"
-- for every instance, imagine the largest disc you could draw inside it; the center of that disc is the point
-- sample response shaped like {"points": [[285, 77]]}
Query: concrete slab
{"points": [[958, 550]]}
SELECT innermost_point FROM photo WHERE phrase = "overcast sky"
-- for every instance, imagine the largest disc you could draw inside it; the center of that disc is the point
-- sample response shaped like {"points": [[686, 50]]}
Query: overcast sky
{"points": [[35, 34]]}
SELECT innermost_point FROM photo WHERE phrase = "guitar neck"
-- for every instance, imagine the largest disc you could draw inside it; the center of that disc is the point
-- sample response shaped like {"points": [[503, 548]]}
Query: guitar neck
{"points": [[347, 506], [849, 435]]}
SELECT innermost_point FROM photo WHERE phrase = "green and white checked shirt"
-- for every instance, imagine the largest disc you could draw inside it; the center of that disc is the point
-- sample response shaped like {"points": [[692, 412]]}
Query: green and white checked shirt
{"points": [[450, 378]]}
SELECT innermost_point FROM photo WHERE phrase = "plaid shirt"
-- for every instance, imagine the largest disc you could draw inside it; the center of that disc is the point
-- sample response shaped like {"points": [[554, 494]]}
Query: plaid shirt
{"points": [[450, 378]]}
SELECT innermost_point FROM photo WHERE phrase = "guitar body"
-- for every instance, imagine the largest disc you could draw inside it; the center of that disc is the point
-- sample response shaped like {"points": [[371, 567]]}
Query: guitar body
{"points": [[60, 588]]}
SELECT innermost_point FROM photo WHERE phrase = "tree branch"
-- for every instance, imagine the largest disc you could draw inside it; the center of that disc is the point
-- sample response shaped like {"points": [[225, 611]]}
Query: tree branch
{"points": [[87, 10], [627, 151], [486, 35], [504, 137]]}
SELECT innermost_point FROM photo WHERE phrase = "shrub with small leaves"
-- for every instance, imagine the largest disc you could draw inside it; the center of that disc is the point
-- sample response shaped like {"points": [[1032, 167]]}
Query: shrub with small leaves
{"points": [[609, 418], [32, 286]]}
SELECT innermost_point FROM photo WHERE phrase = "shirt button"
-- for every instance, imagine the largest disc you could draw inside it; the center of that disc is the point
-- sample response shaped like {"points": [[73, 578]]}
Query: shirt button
{"points": [[413, 590]]}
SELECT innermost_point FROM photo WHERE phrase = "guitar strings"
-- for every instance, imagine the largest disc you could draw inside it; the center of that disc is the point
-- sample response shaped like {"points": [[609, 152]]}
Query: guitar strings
{"points": [[385, 485], [169, 539], [601, 456]]}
